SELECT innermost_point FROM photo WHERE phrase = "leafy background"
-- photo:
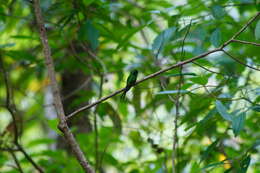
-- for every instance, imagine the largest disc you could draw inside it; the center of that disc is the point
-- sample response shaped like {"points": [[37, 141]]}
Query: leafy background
{"points": [[218, 125]]}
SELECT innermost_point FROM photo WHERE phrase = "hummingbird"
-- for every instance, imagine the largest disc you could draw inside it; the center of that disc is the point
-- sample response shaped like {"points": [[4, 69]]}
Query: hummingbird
{"points": [[130, 82]]}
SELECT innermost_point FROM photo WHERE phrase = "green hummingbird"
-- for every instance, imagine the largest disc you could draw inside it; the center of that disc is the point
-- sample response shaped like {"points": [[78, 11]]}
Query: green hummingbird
{"points": [[130, 82]]}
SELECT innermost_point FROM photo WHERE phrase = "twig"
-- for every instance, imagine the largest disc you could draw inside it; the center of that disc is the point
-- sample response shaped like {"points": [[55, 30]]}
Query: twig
{"points": [[142, 80], [29, 158], [177, 107], [9, 149], [16, 161], [211, 71], [240, 62], [246, 42], [166, 69], [98, 165], [63, 126], [12, 109], [241, 30], [8, 101], [92, 55]]}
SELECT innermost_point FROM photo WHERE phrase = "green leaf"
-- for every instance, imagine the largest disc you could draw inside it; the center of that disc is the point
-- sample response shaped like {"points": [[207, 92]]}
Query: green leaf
{"points": [[199, 33], [24, 37], [88, 32], [198, 50], [136, 138], [40, 141], [205, 120], [243, 1], [256, 143], [218, 11], [256, 108], [201, 80], [164, 37], [107, 109], [257, 30], [244, 164], [130, 34], [209, 150], [223, 111], [215, 37], [7, 45], [88, 2], [212, 165], [238, 123], [53, 124], [173, 92]]}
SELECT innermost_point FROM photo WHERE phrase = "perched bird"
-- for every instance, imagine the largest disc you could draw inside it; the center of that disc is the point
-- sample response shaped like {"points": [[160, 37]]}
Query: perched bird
{"points": [[130, 82]]}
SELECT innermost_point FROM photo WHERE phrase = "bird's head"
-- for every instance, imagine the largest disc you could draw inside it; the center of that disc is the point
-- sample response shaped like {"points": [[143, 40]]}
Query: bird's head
{"points": [[134, 72]]}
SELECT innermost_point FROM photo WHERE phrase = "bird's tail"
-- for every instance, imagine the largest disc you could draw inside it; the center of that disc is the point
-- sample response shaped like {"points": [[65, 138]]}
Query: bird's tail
{"points": [[124, 93], [123, 96]]}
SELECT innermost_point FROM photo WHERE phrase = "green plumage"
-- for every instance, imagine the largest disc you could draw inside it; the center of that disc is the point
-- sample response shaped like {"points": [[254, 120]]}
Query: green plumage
{"points": [[130, 82]]}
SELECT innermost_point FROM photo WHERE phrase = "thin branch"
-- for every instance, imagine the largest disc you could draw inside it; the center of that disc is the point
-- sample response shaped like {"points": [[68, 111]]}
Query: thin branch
{"points": [[16, 161], [177, 107], [75, 91], [12, 109], [8, 100], [94, 56], [240, 62], [241, 30], [142, 80], [98, 165], [28, 157], [9, 149], [211, 71], [246, 42], [63, 126], [166, 69]]}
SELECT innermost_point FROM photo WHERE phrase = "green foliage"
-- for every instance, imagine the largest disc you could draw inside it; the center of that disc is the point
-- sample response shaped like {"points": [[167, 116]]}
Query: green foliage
{"points": [[257, 30], [215, 37], [99, 42], [238, 123]]}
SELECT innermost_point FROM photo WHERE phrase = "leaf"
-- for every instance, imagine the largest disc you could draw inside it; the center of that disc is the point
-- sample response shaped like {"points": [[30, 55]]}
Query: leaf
{"points": [[256, 108], [202, 80], [218, 11], [130, 34], [214, 164], [244, 1], [7, 45], [24, 37], [164, 37], [40, 141], [209, 116], [257, 30], [88, 2], [215, 37], [173, 92], [88, 32], [223, 111], [244, 164], [256, 143], [238, 123], [199, 33], [107, 109], [257, 91], [198, 50], [209, 150], [53, 124], [136, 138]]}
